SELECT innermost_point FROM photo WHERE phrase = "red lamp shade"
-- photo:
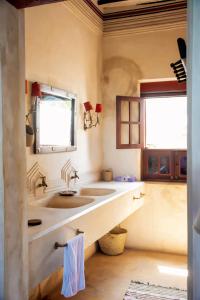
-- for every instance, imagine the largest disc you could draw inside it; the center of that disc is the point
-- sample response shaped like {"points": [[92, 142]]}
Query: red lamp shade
{"points": [[88, 106], [99, 108], [36, 90]]}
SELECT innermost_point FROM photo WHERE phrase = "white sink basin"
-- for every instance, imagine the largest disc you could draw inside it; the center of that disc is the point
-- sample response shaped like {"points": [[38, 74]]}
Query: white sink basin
{"points": [[64, 202], [96, 191]]}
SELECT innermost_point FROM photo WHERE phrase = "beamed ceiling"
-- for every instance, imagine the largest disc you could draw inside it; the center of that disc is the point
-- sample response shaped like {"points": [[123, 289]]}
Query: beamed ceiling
{"points": [[114, 9], [109, 6], [29, 3]]}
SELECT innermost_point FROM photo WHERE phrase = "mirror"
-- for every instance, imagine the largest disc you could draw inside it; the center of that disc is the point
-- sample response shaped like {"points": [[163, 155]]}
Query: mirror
{"points": [[55, 121]]}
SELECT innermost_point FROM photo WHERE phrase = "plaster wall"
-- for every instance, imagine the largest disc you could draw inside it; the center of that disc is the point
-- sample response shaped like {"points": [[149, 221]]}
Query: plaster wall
{"points": [[13, 252], [161, 222], [63, 51]]}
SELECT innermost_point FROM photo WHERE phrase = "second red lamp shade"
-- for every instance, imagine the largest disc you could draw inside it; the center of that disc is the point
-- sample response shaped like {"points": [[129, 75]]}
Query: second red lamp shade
{"points": [[88, 106]]}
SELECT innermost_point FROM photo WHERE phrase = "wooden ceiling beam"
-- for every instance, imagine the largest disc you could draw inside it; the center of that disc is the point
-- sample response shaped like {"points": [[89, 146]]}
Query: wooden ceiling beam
{"points": [[29, 3], [102, 2]]}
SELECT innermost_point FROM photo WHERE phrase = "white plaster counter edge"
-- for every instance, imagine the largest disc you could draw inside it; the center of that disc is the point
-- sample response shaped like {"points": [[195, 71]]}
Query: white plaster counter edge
{"points": [[53, 218]]}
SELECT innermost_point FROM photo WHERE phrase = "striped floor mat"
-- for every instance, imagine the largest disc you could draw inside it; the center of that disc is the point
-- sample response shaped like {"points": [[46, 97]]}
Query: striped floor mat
{"points": [[142, 291]]}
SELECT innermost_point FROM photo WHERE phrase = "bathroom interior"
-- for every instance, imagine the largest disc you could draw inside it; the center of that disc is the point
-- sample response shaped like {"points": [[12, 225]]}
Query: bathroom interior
{"points": [[120, 160]]}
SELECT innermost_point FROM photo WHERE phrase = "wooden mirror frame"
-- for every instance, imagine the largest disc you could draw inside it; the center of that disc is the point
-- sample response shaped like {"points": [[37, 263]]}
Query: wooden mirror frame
{"points": [[40, 149]]}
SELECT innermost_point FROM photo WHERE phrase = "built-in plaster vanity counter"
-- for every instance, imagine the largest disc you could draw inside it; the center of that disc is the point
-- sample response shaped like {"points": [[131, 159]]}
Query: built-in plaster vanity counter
{"points": [[60, 225]]}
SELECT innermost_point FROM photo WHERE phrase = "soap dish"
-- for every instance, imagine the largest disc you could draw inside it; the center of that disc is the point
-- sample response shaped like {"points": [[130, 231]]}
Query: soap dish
{"points": [[34, 222], [67, 193]]}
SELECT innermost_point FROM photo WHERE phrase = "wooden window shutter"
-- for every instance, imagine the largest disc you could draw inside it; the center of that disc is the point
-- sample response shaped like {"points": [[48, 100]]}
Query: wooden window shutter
{"points": [[129, 122]]}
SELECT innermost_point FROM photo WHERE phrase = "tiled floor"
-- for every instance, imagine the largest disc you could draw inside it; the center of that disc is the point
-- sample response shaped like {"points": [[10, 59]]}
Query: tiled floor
{"points": [[108, 277]]}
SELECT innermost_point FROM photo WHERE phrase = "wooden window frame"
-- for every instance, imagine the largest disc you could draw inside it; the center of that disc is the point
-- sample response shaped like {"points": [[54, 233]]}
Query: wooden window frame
{"points": [[178, 155], [151, 90], [174, 165], [163, 89], [119, 122]]}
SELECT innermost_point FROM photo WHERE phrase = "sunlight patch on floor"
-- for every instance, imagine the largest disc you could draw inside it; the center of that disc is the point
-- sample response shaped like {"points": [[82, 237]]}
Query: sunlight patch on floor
{"points": [[173, 271]]}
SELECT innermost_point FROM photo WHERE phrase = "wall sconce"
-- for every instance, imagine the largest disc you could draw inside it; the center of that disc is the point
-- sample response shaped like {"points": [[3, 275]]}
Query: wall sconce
{"points": [[35, 92], [91, 120]]}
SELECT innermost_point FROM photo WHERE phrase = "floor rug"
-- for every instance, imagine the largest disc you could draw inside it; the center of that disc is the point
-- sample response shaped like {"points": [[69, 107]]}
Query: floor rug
{"points": [[142, 291]]}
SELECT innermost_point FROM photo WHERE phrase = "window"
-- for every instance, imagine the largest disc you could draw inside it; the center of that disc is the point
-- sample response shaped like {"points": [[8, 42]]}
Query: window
{"points": [[156, 123], [166, 122]]}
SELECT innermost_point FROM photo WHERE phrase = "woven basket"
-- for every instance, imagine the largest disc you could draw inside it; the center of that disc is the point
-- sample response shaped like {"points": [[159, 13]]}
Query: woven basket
{"points": [[113, 242]]}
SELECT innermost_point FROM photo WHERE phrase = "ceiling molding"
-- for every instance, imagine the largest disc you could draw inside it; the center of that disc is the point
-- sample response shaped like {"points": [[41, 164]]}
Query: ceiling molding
{"points": [[82, 11], [30, 3], [134, 21], [129, 32], [169, 18], [146, 11], [94, 8], [137, 11], [85, 10]]}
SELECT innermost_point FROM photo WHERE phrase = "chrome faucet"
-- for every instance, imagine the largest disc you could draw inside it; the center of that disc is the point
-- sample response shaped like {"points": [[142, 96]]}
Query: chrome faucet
{"points": [[72, 177], [43, 183], [75, 176]]}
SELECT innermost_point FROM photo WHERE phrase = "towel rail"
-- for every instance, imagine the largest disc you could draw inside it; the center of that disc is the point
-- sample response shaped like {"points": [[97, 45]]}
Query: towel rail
{"points": [[58, 245]]}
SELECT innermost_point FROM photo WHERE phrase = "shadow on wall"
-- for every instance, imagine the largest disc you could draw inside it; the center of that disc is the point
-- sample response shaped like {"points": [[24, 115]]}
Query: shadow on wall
{"points": [[120, 77]]}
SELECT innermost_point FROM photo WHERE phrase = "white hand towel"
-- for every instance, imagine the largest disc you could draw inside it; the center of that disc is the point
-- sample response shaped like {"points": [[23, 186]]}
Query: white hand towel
{"points": [[73, 276]]}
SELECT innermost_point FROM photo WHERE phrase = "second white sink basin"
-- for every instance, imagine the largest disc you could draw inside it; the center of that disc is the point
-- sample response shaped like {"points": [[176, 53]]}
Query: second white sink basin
{"points": [[64, 202], [96, 191]]}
